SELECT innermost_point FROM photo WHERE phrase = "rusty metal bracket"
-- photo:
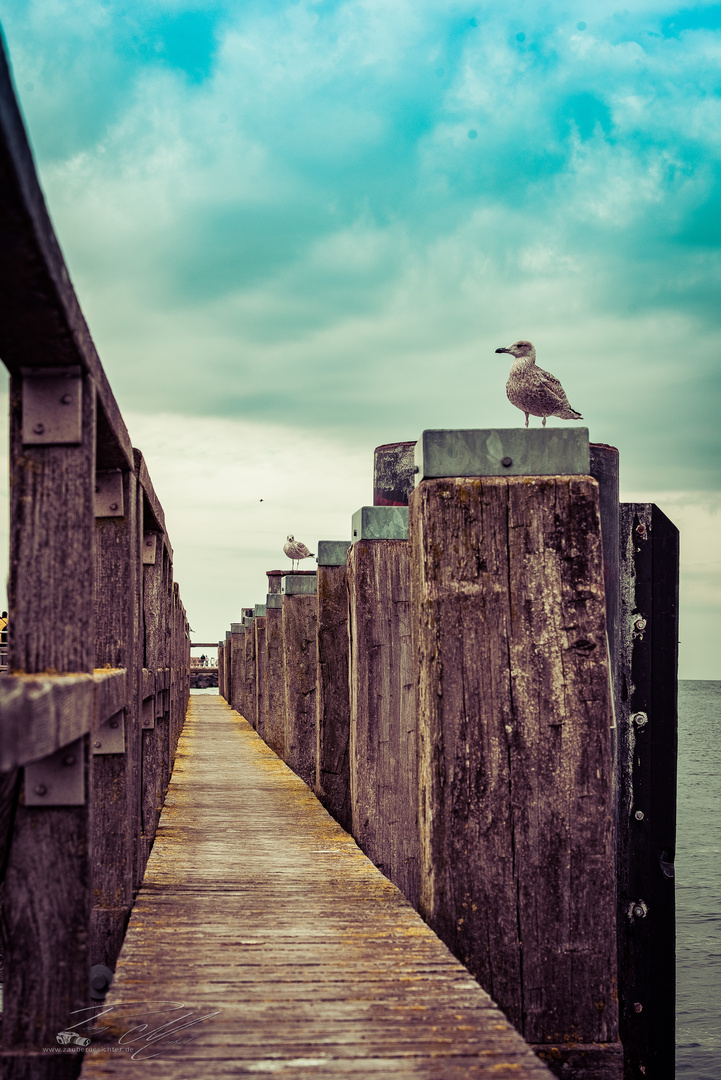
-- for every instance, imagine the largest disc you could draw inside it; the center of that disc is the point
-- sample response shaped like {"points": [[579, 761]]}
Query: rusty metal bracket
{"points": [[110, 736], [59, 779], [52, 401], [150, 541], [109, 494]]}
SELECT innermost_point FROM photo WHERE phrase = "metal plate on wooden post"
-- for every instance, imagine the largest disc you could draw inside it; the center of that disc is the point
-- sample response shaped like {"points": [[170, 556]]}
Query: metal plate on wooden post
{"points": [[332, 552], [503, 452], [52, 407], [297, 585], [59, 779], [150, 540], [109, 494], [380, 523], [110, 736]]}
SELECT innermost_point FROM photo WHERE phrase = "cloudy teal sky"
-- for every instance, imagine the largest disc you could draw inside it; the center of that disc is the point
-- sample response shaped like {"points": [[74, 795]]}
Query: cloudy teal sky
{"points": [[308, 224]]}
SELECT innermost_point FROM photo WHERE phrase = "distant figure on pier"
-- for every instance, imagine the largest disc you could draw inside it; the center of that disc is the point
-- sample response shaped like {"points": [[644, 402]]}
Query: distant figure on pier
{"points": [[533, 390], [295, 550]]}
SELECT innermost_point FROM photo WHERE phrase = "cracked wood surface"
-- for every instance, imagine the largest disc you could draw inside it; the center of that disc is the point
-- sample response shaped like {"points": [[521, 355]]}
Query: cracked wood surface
{"points": [[258, 908]]}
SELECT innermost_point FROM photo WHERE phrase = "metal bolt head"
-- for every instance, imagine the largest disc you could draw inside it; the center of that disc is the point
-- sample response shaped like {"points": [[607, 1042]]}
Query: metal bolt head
{"points": [[97, 745], [638, 911], [641, 530], [506, 462], [69, 759], [640, 624], [639, 719], [637, 1006], [66, 399], [113, 724], [639, 815], [40, 789], [113, 506], [39, 429]]}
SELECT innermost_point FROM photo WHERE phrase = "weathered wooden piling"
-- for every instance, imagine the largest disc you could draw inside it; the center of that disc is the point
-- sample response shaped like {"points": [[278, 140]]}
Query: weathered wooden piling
{"points": [[383, 675], [260, 659], [332, 784], [299, 611], [646, 824], [235, 647], [393, 473], [249, 691], [274, 671], [515, 716]]}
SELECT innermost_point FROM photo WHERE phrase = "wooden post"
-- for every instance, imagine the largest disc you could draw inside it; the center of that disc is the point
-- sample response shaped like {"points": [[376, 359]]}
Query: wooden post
{"points": [[260, 685], [299, 616], [646, 827], [393, 473], [274, 676], [332, 784], [221, 668], [515, 763], [249, 673], [116, 839], [383, 675], [236, 645], [47, 899]]}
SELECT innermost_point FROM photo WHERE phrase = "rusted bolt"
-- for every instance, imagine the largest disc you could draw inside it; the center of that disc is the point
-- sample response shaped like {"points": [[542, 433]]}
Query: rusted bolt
{"points": [[40, 789], [65, 399], [639, 815], [69, 760], [637, 1006], [506, 462], [114, 506], [640, 624], [39, 429], [97, 745], [148, 543], [639, 719], [641, 531], [639, 910]]}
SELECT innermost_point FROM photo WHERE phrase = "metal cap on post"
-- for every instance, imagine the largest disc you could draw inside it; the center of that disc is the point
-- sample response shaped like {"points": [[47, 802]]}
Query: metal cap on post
{"points": [[332, 552], [299, 585], [259, 611], [502, 452], [380, 523]]}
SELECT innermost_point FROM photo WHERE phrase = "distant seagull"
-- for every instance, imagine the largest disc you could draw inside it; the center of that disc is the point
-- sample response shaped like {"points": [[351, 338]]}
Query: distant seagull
{"points": [[533, 390], [296, 551]]}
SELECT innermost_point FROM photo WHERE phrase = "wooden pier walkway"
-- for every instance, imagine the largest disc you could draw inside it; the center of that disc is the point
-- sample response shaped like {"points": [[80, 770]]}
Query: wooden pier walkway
{"points": [[261, 919]]}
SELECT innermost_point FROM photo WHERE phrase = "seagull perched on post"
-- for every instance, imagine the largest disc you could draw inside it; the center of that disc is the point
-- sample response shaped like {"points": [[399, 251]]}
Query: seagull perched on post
{"points": [[295, 550], [533, 390]]}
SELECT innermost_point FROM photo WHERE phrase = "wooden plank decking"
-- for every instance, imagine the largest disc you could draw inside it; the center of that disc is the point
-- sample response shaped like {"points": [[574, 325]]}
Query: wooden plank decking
{"points": [[261, 923]]}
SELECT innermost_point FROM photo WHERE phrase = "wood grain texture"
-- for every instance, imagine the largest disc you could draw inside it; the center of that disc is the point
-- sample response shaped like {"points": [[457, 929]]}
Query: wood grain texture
{"points": [[383, 676], [116, 792], [236, 649], [261, 697], [46, 901], [332, 785], [299, 667], [275, 681], [249, 677], [260, 912], [515, 764], [647, 750]]}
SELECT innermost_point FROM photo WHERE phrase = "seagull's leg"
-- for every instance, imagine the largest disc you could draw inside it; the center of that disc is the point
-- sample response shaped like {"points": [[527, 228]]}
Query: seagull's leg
{"points": [[544, 421], [526, 419]]}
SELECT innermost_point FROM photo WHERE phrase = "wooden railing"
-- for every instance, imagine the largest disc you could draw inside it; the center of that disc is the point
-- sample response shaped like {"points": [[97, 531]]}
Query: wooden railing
{"points": [[99, 645]]}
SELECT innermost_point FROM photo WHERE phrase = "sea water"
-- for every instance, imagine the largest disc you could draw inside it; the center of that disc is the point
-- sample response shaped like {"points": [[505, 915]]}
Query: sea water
{"points": [[698, 882]]}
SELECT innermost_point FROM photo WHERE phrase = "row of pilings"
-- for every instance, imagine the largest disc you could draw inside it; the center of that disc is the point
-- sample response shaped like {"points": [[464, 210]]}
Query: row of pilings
{"points": [[466, 685]]}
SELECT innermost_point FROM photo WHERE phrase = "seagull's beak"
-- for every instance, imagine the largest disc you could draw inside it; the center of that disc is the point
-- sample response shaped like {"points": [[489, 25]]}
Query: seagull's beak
{"points": [[503, 350]]}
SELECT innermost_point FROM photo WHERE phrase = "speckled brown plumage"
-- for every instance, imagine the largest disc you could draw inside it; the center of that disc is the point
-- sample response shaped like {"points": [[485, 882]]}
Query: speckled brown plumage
{"points": [[532, 390]]}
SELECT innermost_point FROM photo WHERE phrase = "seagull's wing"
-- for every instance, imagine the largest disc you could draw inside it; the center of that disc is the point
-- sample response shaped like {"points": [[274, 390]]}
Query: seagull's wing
{"points": [[552, 385], [303, 551]]}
